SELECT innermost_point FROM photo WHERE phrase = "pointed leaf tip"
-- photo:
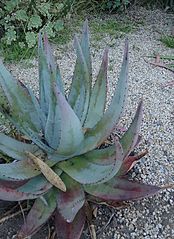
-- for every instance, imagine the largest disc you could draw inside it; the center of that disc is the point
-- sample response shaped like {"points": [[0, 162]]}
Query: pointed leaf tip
{"points": [[126, 49]]}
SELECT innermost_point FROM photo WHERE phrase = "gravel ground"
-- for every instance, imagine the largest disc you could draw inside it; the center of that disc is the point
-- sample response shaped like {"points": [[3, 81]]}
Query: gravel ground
{"points": [[153, 217]]}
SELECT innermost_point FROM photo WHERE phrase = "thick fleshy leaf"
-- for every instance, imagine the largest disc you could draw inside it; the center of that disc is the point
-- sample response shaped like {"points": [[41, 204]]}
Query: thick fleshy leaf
{"points": [[53, 67], [103, 128], [49, 75], [12, 184], [85, 48], [98, 95], [53, 125], [38, 215], [21, 108], [71, 129], [89, 170], [70, 202], [81, 85], [44, 78], [129, 162], [14, 148], [35, 185], [11, 194], [70, 230], [130, 139], [36, 138], [50, 175], [121, 189], [18, 170]]}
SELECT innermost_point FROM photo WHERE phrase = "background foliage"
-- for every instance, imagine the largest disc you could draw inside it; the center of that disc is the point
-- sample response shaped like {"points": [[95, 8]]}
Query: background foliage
{"points": [[21, 20]]}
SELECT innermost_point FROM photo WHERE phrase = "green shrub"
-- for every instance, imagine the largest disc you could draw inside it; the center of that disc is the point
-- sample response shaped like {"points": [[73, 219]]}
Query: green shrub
{"points": [[113, 5], [168, 41], [20, 20]]}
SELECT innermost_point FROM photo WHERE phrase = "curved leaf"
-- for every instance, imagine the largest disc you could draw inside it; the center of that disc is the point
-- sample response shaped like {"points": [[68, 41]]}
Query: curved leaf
{"points": [[129, 162], [70, 230], [70, 202], [14, 148], [103, 128], [18, 170], [71, 129], [92, 170], [38, 215], [130, 139], [21, 108], [121, 189], [35, 185], [12, 184], [98, 95], [11, 194], [81, 85], [53, 67]]}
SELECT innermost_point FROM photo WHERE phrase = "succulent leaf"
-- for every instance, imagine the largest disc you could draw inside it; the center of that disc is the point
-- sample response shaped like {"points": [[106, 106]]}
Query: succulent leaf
{"points": [[103, 128], [70, 202], [49, 75], [85, 47], [131, 137], [38, 215], [35, 185], [21, 107], [11, 194], [14, 148], [121, 189], [81, 85], [129, 162], [71, 129], [92, 170], [18, 170], [98, 95], [70, 230], [53, 67], [53, 124]]}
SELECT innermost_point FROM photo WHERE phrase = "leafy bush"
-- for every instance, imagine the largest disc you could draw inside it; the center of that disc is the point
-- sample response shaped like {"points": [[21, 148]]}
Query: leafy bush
{"points": [[21, 20], [112, 5]]}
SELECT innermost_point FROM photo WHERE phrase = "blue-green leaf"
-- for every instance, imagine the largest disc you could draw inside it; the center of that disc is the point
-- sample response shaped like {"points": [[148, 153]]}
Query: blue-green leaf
{"points": [[14, 148], [130, 138], [98, 95], [71, 129], [35, 185], [21, 106], [90, 169], [103, 128], [12, 194], [81, 85]]}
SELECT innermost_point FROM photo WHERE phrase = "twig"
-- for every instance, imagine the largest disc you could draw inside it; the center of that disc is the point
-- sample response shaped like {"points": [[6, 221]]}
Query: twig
{"points": [[12, 209], [3, 219], [168, 186], [159, 65], [22, 211], [105, 226]]}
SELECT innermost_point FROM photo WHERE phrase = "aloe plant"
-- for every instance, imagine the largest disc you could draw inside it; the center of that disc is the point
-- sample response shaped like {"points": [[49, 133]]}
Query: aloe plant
{"points": [[62, 164]]}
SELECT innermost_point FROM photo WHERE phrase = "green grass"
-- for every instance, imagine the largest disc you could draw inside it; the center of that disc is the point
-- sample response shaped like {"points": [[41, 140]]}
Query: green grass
{"points": [[168, 41], [15, 53], [114, 28]]}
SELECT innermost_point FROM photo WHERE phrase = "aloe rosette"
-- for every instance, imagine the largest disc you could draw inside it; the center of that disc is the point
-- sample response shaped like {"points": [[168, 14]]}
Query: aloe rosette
{"points": [[62, 163]]}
